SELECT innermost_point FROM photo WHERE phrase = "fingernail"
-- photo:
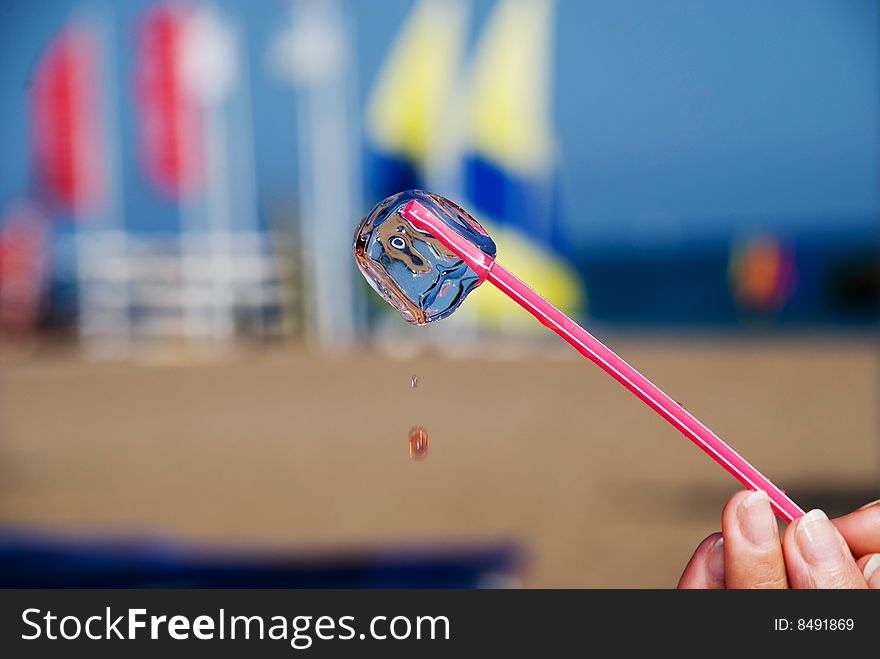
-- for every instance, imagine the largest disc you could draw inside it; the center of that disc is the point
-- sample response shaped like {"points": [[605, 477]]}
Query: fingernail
{"points": [[868, 505], [871, 566], [756, 520], [716, 560], [817, 539]]}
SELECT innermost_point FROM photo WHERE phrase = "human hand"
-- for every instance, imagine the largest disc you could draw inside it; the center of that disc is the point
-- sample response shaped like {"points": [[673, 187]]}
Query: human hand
{"points": [[814, 552]]}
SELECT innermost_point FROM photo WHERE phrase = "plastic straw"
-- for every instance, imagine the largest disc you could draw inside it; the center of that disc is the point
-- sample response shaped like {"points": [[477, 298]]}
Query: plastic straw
{"points": [[589, 346]]}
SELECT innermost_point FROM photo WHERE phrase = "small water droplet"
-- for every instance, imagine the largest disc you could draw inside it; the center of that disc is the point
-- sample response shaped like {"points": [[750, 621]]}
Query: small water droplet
{"points": [[414, 381], [415, 273], [418, 442]]}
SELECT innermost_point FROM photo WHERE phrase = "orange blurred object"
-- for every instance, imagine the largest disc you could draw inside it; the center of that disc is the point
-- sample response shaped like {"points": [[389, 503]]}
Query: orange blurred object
{"points": [[418, 442], [762, 273]]}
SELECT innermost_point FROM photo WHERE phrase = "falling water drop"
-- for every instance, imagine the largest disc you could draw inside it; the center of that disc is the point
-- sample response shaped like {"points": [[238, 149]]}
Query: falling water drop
{"points": [[418, 442]]}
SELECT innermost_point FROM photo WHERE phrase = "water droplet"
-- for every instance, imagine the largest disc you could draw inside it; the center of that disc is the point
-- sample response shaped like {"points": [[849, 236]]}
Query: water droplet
{"points": [[412, 269], [418, 442], [414, 381]]}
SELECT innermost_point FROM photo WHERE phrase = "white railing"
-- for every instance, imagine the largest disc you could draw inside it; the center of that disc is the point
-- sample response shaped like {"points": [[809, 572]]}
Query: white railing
{"points": [[209, 289]]}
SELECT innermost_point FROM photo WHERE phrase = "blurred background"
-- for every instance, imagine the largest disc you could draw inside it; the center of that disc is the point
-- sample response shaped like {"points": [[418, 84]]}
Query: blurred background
{"points": [[198, 387]]}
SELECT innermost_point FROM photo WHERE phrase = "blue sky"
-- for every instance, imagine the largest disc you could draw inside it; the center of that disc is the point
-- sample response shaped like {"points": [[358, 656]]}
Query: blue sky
{"points": [[675, 120]]}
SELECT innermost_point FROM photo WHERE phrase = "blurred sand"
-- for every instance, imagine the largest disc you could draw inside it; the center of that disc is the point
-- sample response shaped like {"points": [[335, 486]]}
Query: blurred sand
{"points": [[288, 450]]}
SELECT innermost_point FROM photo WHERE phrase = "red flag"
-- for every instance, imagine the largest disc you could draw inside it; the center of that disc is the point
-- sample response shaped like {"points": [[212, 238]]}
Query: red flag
{"points": [[67, 149], [169, 130], [23, 239]]}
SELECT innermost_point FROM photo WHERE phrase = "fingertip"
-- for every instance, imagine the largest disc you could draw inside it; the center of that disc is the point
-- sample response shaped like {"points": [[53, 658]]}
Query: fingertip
{"points": [[705, 570], [757, 523], [870, 566], [733, 502], [790, 529], [715, 559], [816, 555], [752, 551], [729, 513], [861, 529]]}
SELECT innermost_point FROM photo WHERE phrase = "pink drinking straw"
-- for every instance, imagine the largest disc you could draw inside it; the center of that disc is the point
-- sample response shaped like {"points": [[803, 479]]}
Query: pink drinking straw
{"points": [[589, 346]]}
